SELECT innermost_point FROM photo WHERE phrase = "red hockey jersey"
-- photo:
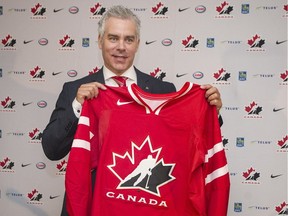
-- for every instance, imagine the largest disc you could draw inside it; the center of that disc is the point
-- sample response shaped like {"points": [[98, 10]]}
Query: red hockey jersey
{"points": [[155, 154]]}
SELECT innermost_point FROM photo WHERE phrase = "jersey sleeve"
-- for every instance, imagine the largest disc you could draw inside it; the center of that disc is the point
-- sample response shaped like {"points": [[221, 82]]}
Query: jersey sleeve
{"points": [[78, 174], [215, 170]]}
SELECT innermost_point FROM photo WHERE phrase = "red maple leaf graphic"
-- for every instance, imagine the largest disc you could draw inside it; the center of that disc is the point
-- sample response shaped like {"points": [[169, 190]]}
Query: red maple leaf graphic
{"points": [[284, 75], [249, 108], [279, 208], [4, 103], [285, 7], [186, 41], [252, 41], [63, 41], [283, 141], [220, 8], [95, 8], [217, 75], [34, 71], [2, 163], [30, 195], [155, 9], [32, 134], [34, 10], [61, 165], [157, 70], [95, 70], [4, 41], [246, 174]]}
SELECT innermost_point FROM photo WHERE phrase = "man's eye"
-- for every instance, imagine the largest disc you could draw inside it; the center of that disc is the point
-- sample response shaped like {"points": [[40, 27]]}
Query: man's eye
{"points": [[113, 39]]}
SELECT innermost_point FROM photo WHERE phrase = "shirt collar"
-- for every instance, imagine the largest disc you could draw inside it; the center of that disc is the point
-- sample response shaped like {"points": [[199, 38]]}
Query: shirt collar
{"points": [[130, 74]]}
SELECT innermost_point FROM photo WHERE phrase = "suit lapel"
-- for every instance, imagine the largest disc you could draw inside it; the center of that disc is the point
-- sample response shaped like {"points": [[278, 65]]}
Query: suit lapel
{"points": [[143, 81]]}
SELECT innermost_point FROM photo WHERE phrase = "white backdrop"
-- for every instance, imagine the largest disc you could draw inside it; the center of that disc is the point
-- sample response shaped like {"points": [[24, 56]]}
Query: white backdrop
{"points": [[238, 46]]}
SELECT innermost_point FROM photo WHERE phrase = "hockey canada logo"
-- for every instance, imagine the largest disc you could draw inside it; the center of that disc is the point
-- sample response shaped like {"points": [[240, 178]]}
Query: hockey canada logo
{"points": [[67, 43], [253, 110], [256, 43], [283, 144], [224, 10], [8, 43], [97, 11], [34, 197], [6, 165], [222, 77], [37, 74], [282, 209], [284, 78], [158, 73], [190, 44], [38, 12], [251, 176], [61, 167], [159, 11], [144, 169], [8, 105], [94, 70], [35, 136]]}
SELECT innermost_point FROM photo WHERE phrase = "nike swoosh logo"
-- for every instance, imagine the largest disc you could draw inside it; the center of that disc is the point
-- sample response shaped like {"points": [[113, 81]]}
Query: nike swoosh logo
{"points": [[26, 104], [183, 9], [276, 110], [53, 197], [24, 165], [275, 176], [180, 75], [26, 42], [150, 42], [56, 73], [280, 42], [120, 103], [57, 10]]}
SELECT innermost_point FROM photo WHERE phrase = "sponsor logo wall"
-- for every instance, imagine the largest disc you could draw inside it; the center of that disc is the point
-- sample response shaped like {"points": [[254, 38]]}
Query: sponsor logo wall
{"points": [[238, 46]]}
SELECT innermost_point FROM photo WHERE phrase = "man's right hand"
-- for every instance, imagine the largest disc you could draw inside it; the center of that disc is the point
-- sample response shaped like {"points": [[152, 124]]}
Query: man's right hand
{"points": [[88, 91]]}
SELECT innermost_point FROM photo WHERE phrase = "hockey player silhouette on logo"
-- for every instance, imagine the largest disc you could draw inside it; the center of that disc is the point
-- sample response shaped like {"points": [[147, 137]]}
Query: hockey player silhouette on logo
{"points": [[143, 169]]}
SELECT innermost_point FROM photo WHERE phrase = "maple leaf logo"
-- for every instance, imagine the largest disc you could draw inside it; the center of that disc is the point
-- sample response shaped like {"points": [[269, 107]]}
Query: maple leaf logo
{"points": [[221, 75], [35, 134], [97, 10], [38, 10], [66, 41], [282, 209], [8, 103], [158, 74], [8, 41], [37, 72], [283, 143], [284, 76], [285, 8], [7, 164], [189, 43], [34, 195], [256, 42], [95, 70], [159, 9], [62, 166], [253, 108], [143, 168], [251, 174], [224, 8]]}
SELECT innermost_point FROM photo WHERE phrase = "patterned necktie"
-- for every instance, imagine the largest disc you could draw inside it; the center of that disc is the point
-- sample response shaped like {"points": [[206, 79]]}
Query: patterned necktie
{"points": [[120, 80]]}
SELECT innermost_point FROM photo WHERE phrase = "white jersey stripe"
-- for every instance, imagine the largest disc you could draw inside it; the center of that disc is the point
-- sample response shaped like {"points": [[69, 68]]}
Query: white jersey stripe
{"points": [[216, 174], [216, 148], [79, 143], [84, 120]]}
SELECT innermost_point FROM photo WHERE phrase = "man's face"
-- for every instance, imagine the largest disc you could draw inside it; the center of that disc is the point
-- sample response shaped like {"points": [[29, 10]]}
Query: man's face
{"points": [[119, 44]]}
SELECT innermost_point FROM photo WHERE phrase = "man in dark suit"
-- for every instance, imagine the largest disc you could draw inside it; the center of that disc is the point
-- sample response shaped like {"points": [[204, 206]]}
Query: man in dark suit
{"points": [[119, 37]]}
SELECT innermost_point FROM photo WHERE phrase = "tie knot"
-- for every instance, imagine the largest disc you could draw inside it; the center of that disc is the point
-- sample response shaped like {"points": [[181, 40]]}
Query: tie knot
{"points": [[120, 80]]}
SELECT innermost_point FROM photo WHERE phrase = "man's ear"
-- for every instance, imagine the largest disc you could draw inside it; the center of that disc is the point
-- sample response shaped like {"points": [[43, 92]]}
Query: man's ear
{"points": [[99, 42]]}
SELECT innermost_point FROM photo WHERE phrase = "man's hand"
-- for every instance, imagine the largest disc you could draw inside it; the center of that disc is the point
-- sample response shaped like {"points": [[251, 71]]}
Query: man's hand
{"points": [[213, 96], [88, 91]]}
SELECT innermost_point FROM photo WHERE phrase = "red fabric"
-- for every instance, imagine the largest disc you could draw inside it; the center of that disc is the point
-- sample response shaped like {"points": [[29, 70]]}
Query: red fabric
{"points": [[120, 80]]}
